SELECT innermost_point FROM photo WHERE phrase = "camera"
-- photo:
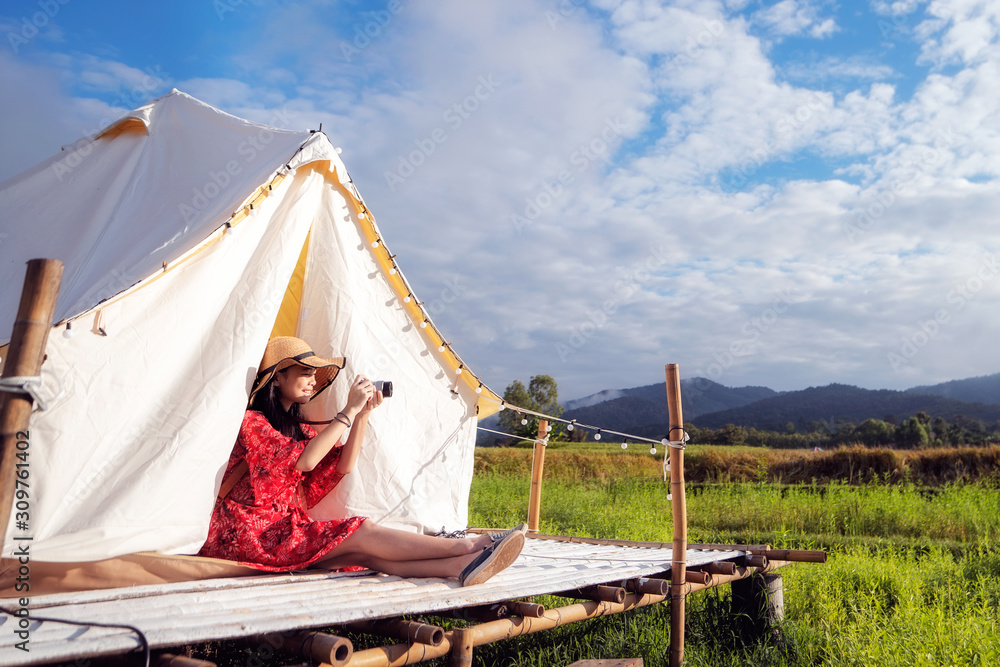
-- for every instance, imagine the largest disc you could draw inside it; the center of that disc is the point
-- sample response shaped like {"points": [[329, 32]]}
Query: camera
{"points": [[384, 386]]}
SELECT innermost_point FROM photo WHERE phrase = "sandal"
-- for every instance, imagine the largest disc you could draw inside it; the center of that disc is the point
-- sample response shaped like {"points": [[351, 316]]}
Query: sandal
{"points": [[495, 558]]}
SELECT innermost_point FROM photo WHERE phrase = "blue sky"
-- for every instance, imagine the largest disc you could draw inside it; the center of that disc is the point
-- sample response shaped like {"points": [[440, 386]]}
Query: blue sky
{"points": [[775, 193]]}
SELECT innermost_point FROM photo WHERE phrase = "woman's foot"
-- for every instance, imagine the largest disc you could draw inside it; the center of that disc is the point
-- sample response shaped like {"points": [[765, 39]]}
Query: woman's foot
{"points": [[496, 557]]}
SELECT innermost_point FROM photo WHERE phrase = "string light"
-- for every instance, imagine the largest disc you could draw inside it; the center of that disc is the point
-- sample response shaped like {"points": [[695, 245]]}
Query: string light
{"points": [[624, 444], [570, 426], [392, 271], [407, 298], [652, 450], [479, 389], [458, 371], [423, 325], [503, 406], [548, 428], [69, 333], [597, 436], [375, 243], [524, 421]]}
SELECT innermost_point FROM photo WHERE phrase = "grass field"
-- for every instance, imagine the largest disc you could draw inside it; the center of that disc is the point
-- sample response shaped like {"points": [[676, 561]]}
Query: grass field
{"points": [[913, 576]]}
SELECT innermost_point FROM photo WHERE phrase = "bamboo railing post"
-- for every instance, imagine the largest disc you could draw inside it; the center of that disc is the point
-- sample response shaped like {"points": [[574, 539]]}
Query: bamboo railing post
{"points": [[24, 358], [678, 566], [537, 467]]}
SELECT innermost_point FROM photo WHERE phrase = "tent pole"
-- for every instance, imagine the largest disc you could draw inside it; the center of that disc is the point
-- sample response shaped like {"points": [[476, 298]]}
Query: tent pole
{"points": [[24, 358], [678, 566], [537, 467]]}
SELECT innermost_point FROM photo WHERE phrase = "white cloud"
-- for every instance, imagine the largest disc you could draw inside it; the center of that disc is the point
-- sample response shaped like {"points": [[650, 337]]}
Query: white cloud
{"points": [[795, 17]]}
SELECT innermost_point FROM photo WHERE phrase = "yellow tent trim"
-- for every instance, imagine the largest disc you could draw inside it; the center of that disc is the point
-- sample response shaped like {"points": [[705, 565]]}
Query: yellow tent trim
{"points": [[288, 315]]}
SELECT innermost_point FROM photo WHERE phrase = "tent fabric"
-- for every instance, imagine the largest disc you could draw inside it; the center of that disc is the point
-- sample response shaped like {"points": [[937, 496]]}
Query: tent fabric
{"points": [[173, 300]]}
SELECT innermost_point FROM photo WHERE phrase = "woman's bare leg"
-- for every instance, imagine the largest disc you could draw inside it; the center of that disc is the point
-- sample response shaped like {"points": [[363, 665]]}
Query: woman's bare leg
{"points": [[399, 545], [428, 567]]}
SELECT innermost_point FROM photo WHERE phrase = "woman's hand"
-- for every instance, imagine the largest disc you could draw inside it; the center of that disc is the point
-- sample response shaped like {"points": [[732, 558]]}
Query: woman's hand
{"points": [[359, 395], [373, 402]]}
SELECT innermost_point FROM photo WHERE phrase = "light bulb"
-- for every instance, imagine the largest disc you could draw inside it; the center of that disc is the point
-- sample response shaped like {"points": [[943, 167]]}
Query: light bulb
{"points": [[441, 348], [569, 427], [392, 271], [361, 215], [524, 420], [548, 428], [670, 496], [375, 244], [652, 450], [624, 445], [479, 389], [665, 442], [502, 407], [597, 436], [68, 333], [423, 325], [406, 299], [458, 371]]}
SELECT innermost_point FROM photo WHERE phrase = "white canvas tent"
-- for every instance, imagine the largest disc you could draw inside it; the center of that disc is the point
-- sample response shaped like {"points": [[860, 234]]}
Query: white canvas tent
{"points": [[189, 238]]}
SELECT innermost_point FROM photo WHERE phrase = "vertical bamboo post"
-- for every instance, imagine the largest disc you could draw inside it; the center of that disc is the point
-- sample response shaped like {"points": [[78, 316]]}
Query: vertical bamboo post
{"points": [[537, 467], [24, 358], [678, 566]]}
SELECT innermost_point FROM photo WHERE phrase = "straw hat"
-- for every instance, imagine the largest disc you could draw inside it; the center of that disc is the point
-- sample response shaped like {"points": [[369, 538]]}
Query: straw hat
{"points": [[285, 351]]}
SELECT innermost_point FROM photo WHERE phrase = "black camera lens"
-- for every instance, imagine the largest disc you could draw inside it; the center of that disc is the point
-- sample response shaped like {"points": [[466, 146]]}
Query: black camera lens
{"points": [[384, 386]]}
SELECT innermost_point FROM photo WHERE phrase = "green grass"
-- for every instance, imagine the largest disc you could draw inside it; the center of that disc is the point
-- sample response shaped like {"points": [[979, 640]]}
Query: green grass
{"points": [[913, 576]]}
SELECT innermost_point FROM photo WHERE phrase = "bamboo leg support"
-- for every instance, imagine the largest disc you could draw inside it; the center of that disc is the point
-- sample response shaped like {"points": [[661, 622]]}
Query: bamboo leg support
{"points": [[461, 647], [24, 358], [537, 468]]}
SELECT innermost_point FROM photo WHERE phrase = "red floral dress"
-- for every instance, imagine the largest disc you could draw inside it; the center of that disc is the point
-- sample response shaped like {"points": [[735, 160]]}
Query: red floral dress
{"points": [[262, 522]]}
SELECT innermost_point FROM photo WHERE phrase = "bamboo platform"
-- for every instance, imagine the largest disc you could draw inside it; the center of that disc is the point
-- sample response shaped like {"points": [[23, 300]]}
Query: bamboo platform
{"points": [[193, 612]]}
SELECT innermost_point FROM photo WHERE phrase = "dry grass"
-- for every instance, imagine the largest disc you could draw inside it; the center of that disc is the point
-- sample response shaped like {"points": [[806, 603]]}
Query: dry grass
{"points": [[709, 464]]}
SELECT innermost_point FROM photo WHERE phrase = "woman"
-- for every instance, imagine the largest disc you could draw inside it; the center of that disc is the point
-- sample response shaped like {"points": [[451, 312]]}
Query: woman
{"points": [[281, 466]]}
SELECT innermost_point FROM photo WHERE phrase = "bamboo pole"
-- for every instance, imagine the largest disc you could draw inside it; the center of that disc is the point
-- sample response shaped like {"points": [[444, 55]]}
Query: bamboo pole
{"points": [[24, 358], [537, 468], [412, 631], [678, 566], [526, 609], [322, 647], [601, 593], [797, 555]]}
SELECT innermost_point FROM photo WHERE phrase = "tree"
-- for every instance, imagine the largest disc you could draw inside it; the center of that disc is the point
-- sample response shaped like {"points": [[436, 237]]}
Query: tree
{"points": [[911, 433], [542, 395], [874, 433]]}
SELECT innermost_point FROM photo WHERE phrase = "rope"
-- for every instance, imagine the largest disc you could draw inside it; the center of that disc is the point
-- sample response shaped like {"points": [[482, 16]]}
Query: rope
{"points": [[676, 444], [29, 385], [511, 435]]}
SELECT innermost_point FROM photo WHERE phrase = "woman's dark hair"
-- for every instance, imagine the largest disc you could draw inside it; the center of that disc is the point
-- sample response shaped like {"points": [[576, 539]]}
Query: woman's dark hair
{"points": [[286, 422]]}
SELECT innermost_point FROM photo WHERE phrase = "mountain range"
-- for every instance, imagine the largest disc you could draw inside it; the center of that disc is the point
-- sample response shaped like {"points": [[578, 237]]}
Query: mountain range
{"points": [[642, 410]]}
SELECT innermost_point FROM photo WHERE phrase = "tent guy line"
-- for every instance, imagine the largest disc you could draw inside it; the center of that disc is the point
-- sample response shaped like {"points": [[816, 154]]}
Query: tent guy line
{"points": [[572, 423]]}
